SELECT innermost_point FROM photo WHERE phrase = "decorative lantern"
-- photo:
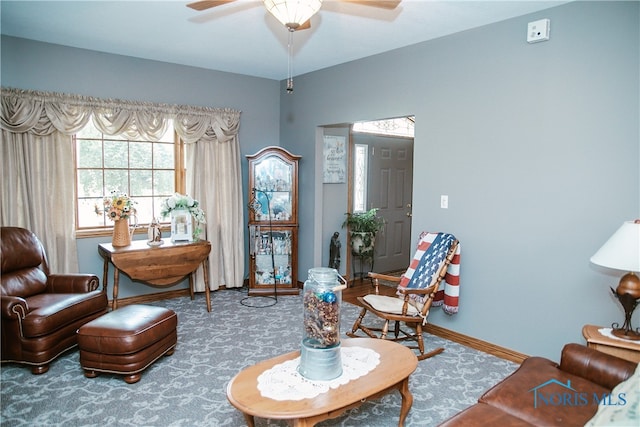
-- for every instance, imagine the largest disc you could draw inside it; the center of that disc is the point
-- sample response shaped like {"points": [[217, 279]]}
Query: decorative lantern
{"points": [[181, 226]]}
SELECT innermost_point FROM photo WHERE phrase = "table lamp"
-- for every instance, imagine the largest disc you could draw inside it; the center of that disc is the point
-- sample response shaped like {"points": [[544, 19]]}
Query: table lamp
{"points": [[622, 252]]}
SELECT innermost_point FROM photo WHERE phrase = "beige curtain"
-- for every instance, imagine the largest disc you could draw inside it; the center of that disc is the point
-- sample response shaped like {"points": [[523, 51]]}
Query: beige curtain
{"points": [[38, 193], [213, 162], [38, 190], [38, 175]]}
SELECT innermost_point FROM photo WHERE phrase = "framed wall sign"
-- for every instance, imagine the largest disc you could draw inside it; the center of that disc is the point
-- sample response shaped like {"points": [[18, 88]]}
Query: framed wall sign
{"points": [[334, 165]]}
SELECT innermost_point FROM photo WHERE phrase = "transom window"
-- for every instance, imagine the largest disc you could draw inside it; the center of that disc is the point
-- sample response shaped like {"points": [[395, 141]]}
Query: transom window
{"points": [[147, 171], [400, 126]]}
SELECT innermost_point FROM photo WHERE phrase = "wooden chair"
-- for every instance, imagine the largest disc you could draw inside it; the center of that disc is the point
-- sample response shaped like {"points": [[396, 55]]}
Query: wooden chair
{"points": [[414, 300]]}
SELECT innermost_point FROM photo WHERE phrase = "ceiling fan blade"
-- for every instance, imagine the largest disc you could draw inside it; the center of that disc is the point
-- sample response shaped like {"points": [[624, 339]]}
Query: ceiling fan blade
{"points": [[208, 4], [384, 4]]}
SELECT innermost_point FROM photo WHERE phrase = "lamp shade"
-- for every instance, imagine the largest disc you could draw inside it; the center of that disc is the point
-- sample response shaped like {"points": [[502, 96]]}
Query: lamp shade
{"points": [[293, 13], [622, 250]]}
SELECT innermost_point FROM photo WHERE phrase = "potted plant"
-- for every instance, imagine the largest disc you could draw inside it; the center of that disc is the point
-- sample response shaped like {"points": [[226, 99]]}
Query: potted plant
{"points": [[363, 227]]}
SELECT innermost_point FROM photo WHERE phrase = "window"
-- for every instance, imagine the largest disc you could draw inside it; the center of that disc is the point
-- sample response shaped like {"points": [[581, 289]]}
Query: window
{"points": [[360, 164], [145, 170], [401, 126]]}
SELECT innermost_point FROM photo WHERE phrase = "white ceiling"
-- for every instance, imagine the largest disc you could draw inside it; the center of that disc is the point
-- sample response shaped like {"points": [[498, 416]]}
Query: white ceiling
{"points": [[242, 37]]}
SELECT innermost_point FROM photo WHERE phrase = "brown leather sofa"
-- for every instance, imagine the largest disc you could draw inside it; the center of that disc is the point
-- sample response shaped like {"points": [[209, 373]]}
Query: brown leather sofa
{"points": [[542, 393], [41, 312]]}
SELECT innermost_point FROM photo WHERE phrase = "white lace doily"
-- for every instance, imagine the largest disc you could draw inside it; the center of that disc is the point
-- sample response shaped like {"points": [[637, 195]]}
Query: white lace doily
{"points": [[283, 382], [607, 333]]}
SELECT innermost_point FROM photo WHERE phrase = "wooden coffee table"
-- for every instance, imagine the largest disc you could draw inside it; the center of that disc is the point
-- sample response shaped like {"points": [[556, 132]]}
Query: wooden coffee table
{"points": [[396, 364]]}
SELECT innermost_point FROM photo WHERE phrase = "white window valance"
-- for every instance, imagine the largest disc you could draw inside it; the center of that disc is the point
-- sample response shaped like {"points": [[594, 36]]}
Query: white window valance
{"points": [[42, 113]]}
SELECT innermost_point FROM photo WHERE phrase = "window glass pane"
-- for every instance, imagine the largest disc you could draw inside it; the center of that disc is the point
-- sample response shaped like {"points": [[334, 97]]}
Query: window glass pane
{"points": [[116, 180], [140, 155], [401, 126], [140, 182], [157, 202], [163, 156], [91, 213], [144, 209], [163, 183], [89, 153], [360, 177], [90, 183], [116, 154]]}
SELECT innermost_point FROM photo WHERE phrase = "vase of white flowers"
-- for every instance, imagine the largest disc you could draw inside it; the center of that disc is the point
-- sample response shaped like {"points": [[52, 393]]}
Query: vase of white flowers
{"points": [[184, 211]]}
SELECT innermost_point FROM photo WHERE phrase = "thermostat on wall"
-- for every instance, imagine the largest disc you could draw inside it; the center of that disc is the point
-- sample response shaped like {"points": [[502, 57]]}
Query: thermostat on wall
{"points": [[538, 31]]}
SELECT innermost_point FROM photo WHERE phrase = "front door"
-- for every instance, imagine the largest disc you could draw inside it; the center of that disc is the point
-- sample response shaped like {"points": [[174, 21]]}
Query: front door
{"points": [[390, 182]]}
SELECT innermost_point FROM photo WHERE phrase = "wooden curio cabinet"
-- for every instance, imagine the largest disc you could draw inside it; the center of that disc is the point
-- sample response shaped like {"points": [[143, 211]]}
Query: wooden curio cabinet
{"points": [[273, 222]]}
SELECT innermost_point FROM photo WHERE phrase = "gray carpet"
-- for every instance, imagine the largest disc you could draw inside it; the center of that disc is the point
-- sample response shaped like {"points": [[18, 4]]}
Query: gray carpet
{"points": [[188, 388]]}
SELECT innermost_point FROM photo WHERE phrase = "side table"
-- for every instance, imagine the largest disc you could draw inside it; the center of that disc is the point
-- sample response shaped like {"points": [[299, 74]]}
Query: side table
{"points": [[624, 349], [159, 266]]}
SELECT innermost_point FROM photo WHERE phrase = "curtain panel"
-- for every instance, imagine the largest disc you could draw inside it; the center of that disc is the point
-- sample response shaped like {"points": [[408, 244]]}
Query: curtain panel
{"points": [[38, 175]]}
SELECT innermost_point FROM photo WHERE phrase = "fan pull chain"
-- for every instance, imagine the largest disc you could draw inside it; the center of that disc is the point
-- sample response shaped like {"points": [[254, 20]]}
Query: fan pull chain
{"points": [[290, 62]]}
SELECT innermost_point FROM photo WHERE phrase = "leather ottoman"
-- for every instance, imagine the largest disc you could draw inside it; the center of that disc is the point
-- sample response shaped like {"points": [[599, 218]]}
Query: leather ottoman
{"points": [[127, 341]]}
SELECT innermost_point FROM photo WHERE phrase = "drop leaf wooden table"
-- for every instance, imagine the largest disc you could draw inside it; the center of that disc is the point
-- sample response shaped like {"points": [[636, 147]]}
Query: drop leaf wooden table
{"points": [[158, 266]]}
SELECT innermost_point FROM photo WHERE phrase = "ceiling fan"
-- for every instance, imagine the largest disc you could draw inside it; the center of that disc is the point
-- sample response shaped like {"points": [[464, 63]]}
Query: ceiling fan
{"points": [[295, 14]]}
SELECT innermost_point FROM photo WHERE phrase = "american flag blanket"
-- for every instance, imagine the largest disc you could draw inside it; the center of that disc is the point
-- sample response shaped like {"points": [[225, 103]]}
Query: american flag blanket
{"points": [[430, 254]]}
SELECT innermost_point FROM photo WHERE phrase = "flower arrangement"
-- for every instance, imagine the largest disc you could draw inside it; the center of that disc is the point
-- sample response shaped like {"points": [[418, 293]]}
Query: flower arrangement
{"points": [[118, 206], [185, 202], [182, 201]]}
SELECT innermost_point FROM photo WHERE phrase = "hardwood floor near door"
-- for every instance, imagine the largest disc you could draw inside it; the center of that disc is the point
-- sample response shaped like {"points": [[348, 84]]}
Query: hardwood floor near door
{"points": [[351, 294]]}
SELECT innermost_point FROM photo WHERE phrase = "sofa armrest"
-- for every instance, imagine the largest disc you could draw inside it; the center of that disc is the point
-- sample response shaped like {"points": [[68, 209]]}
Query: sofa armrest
{"points": [[72, 283], [13, 307], [598, 367]]}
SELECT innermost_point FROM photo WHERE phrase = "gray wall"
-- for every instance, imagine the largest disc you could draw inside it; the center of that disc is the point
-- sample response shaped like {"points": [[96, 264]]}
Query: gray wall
{"points": [[41, 66], [333, 213], [537, 146]]}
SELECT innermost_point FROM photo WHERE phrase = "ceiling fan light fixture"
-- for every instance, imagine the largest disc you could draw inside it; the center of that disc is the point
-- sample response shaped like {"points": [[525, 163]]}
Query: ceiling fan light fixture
{"points": [[292, 13]]}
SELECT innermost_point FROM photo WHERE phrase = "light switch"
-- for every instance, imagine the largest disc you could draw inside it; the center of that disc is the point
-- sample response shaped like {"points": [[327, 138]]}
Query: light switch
{"points": [[444, 201]]}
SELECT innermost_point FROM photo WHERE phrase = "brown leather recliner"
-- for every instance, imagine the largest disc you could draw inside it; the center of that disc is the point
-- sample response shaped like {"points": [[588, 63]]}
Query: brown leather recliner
{"points": [[41, 312]]}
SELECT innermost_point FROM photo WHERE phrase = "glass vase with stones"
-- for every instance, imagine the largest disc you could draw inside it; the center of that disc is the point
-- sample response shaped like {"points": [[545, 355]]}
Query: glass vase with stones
{"points": [[320, 351]]}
